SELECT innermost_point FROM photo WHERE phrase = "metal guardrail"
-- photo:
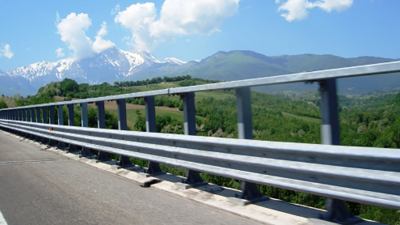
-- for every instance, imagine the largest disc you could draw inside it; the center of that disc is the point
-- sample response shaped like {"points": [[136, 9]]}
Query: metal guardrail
{"points": [[313, 168], [364, 175]]}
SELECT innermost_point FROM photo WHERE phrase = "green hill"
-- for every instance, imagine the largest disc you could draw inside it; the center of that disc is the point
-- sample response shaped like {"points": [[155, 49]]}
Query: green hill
{"points": [[238, 64]]}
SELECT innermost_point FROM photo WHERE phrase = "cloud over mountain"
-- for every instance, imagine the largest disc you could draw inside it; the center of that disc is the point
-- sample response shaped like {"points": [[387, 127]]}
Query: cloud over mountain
{"points": [[100, 44], [72, 30]]}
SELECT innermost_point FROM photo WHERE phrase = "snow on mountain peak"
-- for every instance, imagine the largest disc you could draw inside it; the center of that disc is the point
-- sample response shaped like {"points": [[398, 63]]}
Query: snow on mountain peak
{"points": [[107, 66], [174, 60], [42, 68], [134, 59]]}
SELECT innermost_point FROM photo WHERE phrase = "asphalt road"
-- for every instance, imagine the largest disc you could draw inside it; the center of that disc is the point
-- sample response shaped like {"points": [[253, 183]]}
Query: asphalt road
{"points": [[39, 187]]}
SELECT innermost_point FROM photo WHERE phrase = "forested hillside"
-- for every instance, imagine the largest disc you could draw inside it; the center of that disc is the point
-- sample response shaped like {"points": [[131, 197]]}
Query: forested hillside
{"points": [[369, 120]]}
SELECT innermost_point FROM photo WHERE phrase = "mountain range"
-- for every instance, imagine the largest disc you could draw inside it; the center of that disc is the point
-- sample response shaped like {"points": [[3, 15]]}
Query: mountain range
{"points": [[118, 65]]}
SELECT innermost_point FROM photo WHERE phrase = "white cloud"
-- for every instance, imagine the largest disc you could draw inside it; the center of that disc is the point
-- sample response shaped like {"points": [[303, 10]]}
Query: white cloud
{"points": [[60, 53], [331, 5], [6, 51], [298, 9], [72, 30], [99, 43], [182, 17], [294, 9], [115, 10], [176, 18], [138, 18]]}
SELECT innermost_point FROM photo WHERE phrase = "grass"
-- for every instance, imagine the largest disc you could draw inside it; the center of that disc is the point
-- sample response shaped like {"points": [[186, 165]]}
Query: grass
{"points": [[132, 117]]}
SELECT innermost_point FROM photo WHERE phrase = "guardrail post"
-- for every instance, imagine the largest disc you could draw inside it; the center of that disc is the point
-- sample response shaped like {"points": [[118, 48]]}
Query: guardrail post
{"points": [[33, 118], [45, 115], [22, 115], [60, 115], [245, 131], [60, 121], [70, 115], [153, 167], [330, 134], [52, 114], [71, 121], [84, 123], [189, 125], [84, 115], [122, 125], [27, 115], [101, 123], [52, 120], [38, 115], [19, 114]]}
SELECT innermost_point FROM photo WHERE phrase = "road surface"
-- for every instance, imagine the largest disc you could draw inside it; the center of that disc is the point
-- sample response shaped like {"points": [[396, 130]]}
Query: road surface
{"points": [[39, 187]]}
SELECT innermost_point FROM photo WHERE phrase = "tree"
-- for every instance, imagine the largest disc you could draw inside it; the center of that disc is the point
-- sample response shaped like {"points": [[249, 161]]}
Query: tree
{"points": [[68, 87], [3, 104]]}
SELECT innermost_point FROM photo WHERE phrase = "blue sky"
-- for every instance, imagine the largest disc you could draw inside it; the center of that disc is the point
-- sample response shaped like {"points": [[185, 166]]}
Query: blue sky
{"points": [[30, 31]]}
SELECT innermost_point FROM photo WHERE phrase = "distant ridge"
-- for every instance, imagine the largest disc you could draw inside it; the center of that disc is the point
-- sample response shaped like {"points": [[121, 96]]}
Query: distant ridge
{"points": [[117, 65]]}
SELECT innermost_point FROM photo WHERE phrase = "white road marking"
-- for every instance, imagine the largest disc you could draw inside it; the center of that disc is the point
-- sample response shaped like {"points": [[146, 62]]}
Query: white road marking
{"points": [[2, 220]]}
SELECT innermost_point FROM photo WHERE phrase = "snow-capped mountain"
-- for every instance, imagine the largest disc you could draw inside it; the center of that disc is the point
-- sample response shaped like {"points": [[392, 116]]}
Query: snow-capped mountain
{"points": [[43, 68], [108, 66], [117, 65]]}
